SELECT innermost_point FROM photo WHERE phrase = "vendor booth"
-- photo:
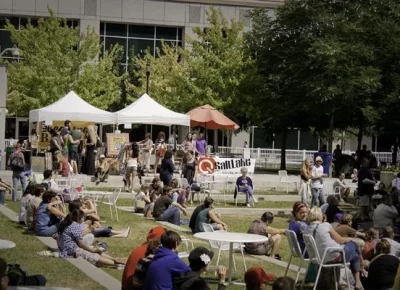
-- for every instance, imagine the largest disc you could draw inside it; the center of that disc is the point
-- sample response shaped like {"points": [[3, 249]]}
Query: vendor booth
{"points": [[70, 107]]}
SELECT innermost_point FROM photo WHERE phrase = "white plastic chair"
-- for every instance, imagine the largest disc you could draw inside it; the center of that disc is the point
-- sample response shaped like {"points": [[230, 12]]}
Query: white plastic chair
{"points": [[188, 247], [218, 187], [295, 252], [112, 202], [244, 195], [284, 178], [224, 246], [185, 184], [314, 258]]}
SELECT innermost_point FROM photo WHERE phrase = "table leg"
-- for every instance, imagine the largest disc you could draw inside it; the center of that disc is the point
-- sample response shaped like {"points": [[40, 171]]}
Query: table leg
{"points": [[230, 270]]}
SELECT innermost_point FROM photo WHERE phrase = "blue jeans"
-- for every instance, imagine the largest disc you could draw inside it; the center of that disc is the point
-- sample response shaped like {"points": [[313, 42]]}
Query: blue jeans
{"points": [[317, 195], [2, 197], [47, 232], [248, 191], [18, 176], [102, 233], [172, 215], [352, 254]]}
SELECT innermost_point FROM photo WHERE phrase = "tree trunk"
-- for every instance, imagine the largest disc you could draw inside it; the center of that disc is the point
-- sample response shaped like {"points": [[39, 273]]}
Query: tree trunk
{"points": [[330, 133], [360, 136], [283, 149]]}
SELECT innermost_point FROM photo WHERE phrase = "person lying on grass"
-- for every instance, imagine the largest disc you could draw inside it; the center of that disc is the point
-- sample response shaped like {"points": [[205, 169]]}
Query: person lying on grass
{"points": [[49, 215], [71, 245], [208, 216], [262, 227], [92, 221]]}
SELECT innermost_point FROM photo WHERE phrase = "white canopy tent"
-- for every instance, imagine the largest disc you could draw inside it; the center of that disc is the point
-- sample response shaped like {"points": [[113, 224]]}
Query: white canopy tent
{"points": [[147, 111], [74, 108]]}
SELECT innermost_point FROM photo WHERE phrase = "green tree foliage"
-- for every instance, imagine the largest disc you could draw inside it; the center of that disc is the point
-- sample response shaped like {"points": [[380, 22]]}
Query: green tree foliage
{"points": [[55, 59], [211, 71]]}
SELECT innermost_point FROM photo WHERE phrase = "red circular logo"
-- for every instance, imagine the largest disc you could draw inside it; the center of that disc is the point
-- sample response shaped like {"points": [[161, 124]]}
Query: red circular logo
{"points": [[207, 165]]}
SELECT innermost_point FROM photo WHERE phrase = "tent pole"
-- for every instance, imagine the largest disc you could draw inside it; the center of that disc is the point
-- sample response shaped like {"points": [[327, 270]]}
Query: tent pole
{"points": [[151, 131]]}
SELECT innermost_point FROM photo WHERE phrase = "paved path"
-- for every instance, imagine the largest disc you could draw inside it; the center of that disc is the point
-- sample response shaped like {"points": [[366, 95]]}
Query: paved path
{"points": [[95, 273]]}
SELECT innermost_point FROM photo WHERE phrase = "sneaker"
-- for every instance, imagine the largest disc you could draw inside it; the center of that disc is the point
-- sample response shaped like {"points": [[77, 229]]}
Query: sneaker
{"points": [[248, 204]]}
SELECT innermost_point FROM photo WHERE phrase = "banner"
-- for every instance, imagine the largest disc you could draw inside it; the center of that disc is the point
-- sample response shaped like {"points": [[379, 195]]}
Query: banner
{"points": [[115, 142], [211, 165], [44, 134]]}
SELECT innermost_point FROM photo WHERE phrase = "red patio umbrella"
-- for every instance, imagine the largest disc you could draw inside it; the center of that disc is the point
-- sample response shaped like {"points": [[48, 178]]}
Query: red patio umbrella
{"points": [[210, 118]]}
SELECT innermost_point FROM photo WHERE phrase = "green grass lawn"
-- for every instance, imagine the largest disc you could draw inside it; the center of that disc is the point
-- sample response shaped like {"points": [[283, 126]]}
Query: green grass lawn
{"points": [[26, 249]]}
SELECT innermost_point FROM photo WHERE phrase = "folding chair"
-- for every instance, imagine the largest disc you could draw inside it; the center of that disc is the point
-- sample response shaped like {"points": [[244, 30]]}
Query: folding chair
{"points": [[188, 247], [314, 258], [295, 252], [112, 201], [284, 178]]}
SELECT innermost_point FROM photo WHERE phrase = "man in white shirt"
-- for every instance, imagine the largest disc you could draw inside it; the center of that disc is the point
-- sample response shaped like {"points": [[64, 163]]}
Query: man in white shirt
{"points": [[340, 187], [385, 213], [317, 183]]}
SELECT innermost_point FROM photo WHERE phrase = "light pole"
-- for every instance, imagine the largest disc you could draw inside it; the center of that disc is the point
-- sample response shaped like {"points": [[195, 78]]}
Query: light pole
{"points": [[147, 76]]}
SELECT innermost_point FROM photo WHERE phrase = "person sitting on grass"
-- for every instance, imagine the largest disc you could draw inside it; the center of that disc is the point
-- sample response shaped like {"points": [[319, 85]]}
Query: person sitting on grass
{"points": [[137, 254], [142, 199], [382, 268], [284, 283], [332, 209], [245, 184], [92, 221], [33, 205], [262, 227], [385, 213], [71, 245], [49, 215], [199, 259], [206, 204], [371, 239], [166, 264], [102, 169], [208, 216], [27, 195], [49, 182], [178, 194], [257, 279], [167, 210], [388, 234], [345, 230], [156, 190], [141, 269]]}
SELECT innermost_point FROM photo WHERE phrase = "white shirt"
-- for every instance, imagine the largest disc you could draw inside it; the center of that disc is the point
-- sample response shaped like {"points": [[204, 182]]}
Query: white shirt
{"points": [[396, 183], [394, 247], [132, 162], [323, 239], [384, 215], [317, 172], [52, 184]]}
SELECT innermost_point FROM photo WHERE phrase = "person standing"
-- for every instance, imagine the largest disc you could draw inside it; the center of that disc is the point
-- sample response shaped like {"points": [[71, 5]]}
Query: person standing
{"points": [[17, 164], [74, 141], [317, 183], [91, 141], [305, 175], [365, 190], [167, 169], [201, 145], [147, 148], [161, 148]]}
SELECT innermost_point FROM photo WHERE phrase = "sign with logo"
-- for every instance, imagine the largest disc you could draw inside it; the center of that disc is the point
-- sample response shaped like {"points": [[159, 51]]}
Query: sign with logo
{"points": [[210, 165], [115, 142], [44, 134]]}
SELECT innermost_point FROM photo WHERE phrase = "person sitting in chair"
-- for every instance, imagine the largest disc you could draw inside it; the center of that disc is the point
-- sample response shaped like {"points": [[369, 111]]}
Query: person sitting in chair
{"points": [[245, 184], [102, 168]]}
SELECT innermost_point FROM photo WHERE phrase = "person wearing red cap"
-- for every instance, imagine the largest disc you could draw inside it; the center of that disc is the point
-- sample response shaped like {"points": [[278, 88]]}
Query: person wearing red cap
{"points": [[256, 278], [136, 255]]}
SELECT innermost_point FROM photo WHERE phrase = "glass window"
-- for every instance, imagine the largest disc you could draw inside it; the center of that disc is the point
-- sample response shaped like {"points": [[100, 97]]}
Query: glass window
{"points": [[112, 41], [5, 42], [141, 45], [13, 20], [24, 22], [163, 32], [180, 33], [141, 31], [113, 29], [102, 32]]}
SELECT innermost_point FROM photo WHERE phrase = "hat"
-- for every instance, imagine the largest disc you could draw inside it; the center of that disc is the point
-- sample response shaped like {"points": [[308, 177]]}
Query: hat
{"points": [[256, 276], [102, 156], [338, 216], [199, 258], [319, 158], [155, 233]]}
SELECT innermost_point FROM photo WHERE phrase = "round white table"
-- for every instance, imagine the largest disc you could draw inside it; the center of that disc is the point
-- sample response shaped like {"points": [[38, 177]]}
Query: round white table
{"points": [[221, 236], [4, 245]]}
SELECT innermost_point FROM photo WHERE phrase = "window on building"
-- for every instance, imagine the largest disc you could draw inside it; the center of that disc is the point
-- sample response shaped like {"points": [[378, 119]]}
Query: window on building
{"points": [[137, 39], [19, 23]]}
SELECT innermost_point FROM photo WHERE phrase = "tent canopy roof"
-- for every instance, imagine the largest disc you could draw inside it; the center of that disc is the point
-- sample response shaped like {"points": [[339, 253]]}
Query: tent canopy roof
{"points": [[74, 108], [145, 110], [208, 117]]}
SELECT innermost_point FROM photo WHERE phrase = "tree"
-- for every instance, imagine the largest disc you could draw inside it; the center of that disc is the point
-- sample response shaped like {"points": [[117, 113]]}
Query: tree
{"points": [[212, 71], [55, 59]]}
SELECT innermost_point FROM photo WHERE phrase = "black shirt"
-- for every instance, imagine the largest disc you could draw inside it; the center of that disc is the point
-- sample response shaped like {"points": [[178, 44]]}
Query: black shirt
{"points": [[363, 188], [161, 205], [382, 272], [331, 211], [192, 223]]}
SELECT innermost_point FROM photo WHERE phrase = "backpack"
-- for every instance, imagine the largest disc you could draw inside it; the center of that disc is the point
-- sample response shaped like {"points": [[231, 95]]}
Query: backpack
{"points": [[16, 275], [17, 163]]}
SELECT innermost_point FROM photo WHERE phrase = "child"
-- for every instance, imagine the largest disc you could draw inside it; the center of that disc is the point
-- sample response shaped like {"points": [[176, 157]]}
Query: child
{"points": [[142, 199], [354, 176]]}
